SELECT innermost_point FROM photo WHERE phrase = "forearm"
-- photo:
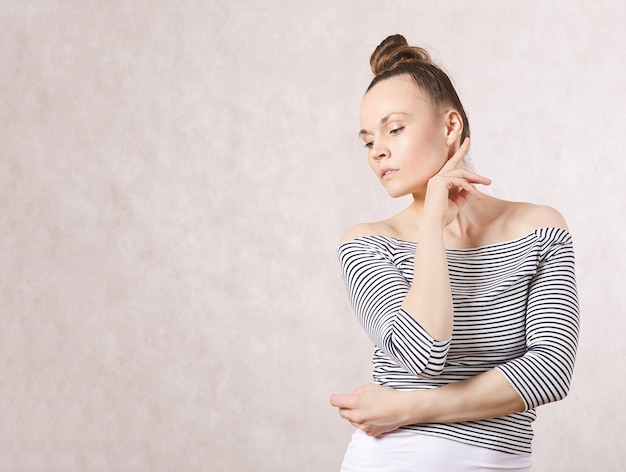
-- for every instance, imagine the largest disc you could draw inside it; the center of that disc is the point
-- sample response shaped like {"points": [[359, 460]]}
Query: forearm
{"points": [[429, 300], [488, 395], [378, 410]]}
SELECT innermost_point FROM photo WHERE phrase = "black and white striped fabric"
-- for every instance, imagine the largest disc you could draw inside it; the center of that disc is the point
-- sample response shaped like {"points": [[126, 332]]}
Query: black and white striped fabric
{"points": [[515, 309]]}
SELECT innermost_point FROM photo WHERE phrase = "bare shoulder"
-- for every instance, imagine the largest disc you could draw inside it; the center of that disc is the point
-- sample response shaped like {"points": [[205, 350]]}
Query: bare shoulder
{"points": [[527, 217], [358, 231], [377, 228]]}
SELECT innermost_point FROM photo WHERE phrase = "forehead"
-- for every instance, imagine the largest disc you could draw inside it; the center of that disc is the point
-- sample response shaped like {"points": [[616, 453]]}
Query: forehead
{"points": [[395, 94]]}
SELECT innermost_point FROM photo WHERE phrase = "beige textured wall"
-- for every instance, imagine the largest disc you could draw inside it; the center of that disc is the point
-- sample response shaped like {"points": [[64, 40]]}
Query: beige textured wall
{"points": [[174, 178]]}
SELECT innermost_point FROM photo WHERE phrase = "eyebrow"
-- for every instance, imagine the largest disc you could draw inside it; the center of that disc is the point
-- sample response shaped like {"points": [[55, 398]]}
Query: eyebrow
{"points": [[383, 120]]}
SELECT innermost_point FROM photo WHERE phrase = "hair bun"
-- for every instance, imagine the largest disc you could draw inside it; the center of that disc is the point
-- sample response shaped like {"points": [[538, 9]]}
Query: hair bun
{"points": [[393, 51]]}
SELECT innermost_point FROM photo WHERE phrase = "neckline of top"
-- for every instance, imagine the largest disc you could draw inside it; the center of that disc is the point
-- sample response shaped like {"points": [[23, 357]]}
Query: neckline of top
{"points": [[530, 234]]}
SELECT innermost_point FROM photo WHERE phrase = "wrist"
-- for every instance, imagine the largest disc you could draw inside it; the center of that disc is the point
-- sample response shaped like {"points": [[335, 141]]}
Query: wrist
{"points": [[432, 225], [416, 407], [435, 210], [434, 217]]}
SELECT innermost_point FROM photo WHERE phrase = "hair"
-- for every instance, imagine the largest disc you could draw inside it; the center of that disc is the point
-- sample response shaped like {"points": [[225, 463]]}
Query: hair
{"points": [[395, 57]]}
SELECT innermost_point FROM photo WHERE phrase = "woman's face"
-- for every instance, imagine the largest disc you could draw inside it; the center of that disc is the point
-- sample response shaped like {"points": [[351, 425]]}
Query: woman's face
{"points": [[405, 138]]}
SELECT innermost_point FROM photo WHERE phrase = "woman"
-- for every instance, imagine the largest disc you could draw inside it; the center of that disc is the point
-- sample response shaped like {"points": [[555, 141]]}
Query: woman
{"points": [[470, 300]]}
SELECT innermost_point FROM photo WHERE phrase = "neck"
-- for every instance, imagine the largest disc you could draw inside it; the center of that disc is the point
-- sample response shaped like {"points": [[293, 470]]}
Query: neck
{"points": [[464, 224]]}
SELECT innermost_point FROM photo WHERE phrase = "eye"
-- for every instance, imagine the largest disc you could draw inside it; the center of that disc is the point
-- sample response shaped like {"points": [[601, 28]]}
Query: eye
{"points": [[396, 130], [369, 145]]}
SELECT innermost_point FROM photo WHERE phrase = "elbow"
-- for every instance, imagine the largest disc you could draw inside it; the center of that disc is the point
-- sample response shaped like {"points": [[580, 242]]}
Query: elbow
{"points": [[425, 360], [425, 370], [539, 379], [412, 348], [554, 392], [556, 375], [428, 373], [553, 386], [435, 365], [563, 388]]}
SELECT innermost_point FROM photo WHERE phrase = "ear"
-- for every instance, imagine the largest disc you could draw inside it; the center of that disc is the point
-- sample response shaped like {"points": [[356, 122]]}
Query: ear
{"points": [[453, 127]]}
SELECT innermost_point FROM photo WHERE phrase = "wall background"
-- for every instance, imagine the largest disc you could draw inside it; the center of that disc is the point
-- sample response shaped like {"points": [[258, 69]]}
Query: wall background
{"points": [[174, 179]]}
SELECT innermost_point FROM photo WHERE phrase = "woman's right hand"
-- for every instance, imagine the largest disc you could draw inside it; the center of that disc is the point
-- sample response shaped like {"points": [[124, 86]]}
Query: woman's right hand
{"points": [[376, 410], [450, 188]]}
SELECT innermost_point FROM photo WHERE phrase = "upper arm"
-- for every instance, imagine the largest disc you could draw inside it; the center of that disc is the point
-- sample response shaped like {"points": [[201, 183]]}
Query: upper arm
{"points": [[544, 373]]}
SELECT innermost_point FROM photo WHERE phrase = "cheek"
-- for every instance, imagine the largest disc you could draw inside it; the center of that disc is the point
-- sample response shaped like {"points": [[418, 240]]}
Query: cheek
{"points": [[427, 157]]}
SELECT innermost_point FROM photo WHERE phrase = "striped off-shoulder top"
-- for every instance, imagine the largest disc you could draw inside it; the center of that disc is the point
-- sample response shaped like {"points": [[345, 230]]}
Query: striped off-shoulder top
{"points": [[515, 309]]}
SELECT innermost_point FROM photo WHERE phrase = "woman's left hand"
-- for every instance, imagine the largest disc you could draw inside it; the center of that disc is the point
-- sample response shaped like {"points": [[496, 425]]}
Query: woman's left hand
{"points": [[374, 409]]}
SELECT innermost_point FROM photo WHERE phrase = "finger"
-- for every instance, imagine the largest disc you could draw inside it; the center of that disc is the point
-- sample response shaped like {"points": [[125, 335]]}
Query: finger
{"points": [[460, 182], [463, 189], [350, 415], [362, 427], [343, 401], [467, 190], [467, 175], [458, 156], [365, 428]]}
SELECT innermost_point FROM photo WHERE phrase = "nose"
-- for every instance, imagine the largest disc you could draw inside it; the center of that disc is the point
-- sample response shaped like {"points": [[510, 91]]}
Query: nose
{"points": [[379, 152]]}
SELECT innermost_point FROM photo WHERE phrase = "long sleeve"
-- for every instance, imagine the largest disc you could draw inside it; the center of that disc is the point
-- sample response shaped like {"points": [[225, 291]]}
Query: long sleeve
{"points": [[377, 288], [544, 372]]}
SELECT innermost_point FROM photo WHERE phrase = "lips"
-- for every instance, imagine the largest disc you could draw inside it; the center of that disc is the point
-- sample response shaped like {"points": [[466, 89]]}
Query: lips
{"points": [[387, 173]]}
